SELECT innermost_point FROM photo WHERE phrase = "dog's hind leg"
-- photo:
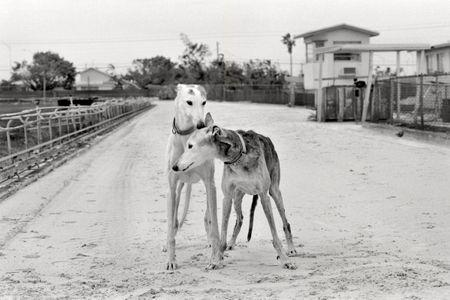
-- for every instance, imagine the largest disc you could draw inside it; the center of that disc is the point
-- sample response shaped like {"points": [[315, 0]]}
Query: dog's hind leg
{"points": [[171, 222], [275, 192], [239, 219], [265, 202]]}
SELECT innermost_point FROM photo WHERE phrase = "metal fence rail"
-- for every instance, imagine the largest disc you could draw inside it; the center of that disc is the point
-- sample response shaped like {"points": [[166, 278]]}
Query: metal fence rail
{"points": [[421, 101], [29, 137]]}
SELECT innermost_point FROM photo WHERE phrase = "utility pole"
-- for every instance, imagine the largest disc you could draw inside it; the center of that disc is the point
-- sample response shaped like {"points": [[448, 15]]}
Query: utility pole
{"points": [[217, 50]]}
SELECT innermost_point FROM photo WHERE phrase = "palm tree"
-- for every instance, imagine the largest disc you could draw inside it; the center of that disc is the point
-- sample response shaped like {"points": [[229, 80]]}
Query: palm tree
{"points": [[290, 43]]}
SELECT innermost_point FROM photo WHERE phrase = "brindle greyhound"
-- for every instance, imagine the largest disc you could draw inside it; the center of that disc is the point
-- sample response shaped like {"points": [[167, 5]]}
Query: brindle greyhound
{"points": [[251, 167], [189, 115]]}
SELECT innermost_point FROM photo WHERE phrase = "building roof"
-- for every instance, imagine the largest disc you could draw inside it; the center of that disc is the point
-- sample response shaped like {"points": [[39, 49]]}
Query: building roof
{"points": [[95, 70], [440, 46], [336, 27], [372, 48]]}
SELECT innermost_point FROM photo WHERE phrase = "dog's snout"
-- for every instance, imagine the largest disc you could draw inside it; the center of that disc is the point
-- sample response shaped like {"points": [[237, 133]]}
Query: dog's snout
{"points": [[175, 168], [200, 125]]}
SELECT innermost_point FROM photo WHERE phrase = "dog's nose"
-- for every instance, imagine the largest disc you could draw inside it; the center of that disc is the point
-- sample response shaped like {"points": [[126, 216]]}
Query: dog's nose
{"points": [[200, 125], [175, 168]]}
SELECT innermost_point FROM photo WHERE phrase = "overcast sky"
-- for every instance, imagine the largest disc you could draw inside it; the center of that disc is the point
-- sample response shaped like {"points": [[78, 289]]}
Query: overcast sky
{"points": [[101, 32]]}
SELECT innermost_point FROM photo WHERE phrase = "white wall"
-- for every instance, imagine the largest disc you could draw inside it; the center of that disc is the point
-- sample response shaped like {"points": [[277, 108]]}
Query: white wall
{"points": [[432, 60], [331, 68]]}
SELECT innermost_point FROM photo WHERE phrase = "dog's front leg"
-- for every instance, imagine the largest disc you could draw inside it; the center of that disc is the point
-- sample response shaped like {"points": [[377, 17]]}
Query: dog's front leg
{"points": [[215, 260], [171, 223], [207, 222], [226, 210], [239, 219]]}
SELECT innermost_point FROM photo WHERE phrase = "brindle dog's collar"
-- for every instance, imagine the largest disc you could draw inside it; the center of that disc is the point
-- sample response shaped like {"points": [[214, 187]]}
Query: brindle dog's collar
{"points": [[175, 129], [241, 152]]}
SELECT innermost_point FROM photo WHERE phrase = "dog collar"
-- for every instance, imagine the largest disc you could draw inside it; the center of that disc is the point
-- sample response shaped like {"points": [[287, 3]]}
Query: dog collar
{"points": [[243, 151], [175, 129]]}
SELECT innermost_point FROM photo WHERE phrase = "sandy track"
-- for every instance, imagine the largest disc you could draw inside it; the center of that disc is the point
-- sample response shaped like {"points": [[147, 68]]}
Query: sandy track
{"points": [[369, 215]]}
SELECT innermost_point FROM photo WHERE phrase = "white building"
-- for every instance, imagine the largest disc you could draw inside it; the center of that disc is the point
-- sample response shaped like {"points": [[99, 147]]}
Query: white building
{"points": [[93, 79], [338, 68], [438, 59]]}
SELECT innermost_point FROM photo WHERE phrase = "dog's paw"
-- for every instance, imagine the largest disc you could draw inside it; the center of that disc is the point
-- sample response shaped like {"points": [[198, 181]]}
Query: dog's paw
{"points": [[171, 266], [289, 266], [292, 252], [230, 247], [214, 266]]}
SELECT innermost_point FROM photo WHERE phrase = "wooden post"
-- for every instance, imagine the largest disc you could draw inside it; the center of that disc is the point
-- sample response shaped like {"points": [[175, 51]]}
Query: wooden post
{"points": [[419, 81], [320, 106], [398, 86], [421, 102], [391, 102], [341, 103], [369, 84]]}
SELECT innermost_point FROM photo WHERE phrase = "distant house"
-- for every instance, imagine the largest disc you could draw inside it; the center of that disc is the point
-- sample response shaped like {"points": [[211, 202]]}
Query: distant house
{"points": [[93, 79], [338, 68], [438, 59]]}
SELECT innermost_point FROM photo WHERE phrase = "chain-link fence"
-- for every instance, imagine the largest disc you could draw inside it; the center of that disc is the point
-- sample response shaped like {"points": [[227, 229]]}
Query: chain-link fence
{"points": [[421, 101]]}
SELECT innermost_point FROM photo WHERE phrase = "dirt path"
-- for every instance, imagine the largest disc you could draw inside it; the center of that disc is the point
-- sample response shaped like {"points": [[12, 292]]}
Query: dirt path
{"points": [[369, 213]]}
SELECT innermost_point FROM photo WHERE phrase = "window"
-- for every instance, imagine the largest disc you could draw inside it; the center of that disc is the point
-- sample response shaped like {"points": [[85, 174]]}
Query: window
{"points": [[349, 71], [320, 44], [346, 42], [347, 56]]}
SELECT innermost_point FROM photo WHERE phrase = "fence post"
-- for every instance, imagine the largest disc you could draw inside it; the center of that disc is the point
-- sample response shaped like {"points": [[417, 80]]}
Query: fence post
{"points": [[437, 107], [421, 103], [25, 134], [8, 136], [50, 131], [399, 92], [38, 124], [391, 101]]}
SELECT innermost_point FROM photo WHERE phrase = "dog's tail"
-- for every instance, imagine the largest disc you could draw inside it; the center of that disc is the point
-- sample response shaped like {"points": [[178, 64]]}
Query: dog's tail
{"points": [[186, 204], [252, 213]]}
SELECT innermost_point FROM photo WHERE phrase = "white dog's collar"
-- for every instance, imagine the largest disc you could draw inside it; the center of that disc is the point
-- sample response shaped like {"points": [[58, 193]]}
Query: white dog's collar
{"points": [[175, 129]]}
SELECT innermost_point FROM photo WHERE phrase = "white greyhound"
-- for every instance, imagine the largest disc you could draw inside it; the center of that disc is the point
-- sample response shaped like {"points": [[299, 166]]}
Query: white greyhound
{"points": [[189, 115]]}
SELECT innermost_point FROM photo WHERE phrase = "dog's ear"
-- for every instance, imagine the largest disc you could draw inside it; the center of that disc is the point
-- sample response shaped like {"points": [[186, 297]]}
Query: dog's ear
{"points": [[180, 87], [217, 132], [202, 91], [208, 120]]}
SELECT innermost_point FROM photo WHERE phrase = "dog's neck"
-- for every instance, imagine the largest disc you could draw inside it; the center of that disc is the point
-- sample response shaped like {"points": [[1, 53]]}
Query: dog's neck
{"points": [[233, 158], [182, 124]]}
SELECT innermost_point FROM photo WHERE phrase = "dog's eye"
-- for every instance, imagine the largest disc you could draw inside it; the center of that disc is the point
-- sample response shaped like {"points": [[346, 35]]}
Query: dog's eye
{"points": [[189, 102], [204, 103], [189, 146]]}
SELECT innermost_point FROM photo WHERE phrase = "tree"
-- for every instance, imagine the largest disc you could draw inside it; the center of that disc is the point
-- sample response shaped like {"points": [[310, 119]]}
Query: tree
{"points": [[156, 70], [228, 72], [290, 43], [46, 67], [193, 60], [263, 72]]}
